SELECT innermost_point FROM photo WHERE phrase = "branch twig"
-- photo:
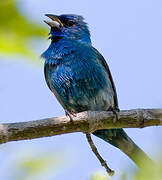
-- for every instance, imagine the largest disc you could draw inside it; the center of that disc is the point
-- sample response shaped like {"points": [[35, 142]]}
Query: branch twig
{"points": [[95, 151], [88, 121]]}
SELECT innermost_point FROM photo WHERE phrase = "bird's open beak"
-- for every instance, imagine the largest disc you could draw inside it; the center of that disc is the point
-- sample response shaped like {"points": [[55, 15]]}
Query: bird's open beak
{"points": [[55, 21]]}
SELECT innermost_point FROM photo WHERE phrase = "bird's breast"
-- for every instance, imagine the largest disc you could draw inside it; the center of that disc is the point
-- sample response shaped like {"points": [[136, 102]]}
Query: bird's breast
{"points": [[80, 85]]}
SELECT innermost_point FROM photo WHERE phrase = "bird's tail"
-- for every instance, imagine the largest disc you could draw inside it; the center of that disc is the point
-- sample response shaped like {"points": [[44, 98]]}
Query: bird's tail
{"points": [[119, 139]]}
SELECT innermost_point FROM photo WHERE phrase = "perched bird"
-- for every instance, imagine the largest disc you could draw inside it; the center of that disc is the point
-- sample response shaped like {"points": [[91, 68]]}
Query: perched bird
{"points": [[80, 78]]}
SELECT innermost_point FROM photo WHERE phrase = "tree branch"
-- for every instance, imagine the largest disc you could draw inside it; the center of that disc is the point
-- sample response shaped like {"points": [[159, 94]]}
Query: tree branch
{"points": [[95, 151], [87, 121]]}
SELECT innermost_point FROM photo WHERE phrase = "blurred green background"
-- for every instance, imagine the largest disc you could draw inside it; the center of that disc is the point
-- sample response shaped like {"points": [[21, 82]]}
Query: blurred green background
{"points": [[17, 31], [128, 34]]}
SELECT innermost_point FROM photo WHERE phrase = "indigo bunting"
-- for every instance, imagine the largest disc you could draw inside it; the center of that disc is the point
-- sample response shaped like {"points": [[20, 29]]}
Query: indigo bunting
{"points": [[80, 78]]}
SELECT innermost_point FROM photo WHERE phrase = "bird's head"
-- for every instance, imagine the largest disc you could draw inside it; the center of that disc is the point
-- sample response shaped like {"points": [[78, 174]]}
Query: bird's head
{"points": [[68, 26]]}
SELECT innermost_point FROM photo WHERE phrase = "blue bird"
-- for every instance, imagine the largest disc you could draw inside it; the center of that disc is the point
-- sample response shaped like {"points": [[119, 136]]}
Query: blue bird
{"points": [[80, 78]]}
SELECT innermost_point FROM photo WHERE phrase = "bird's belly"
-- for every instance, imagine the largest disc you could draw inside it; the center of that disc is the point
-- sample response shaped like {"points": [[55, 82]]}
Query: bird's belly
{"points": [[82, 93], [100, 101]]}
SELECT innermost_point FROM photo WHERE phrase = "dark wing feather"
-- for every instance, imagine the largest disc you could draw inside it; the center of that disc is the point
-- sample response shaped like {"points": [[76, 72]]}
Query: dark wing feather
{"points": [[103, 62], [46, 76]]}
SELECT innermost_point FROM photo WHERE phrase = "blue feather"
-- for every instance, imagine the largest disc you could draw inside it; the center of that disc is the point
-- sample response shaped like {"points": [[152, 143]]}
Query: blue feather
{"points": [[80, 78]]}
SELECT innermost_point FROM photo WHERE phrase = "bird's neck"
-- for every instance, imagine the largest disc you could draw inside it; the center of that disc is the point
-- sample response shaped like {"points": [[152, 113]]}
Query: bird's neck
{"points": [[61, 48], [61, 39]]}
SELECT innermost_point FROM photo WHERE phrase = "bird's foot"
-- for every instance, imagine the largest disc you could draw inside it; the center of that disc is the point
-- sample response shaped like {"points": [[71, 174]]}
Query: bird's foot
{"points": [[70, 115], [116, 113]]}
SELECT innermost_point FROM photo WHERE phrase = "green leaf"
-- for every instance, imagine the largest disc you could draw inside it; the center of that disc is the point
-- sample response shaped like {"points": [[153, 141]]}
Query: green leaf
{"points": [[37, 166], [99, 175], [150, 172], [16, 30]]}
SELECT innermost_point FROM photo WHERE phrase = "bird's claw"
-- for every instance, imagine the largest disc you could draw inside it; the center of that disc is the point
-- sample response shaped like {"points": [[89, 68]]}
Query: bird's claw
{"points": [[116, 113], [70, 115]]}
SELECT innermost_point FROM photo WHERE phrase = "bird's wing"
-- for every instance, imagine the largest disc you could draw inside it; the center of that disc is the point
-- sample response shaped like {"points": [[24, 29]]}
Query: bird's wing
{"points": [[46, 76], [105, 65]]}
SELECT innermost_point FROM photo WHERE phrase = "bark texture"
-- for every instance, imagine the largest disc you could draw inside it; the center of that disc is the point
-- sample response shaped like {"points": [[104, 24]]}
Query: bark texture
{"points": [[87, 121]]}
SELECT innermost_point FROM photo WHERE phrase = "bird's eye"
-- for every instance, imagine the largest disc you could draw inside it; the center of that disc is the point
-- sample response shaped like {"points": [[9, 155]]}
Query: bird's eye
{"points": [[67, 22], [70, 23]]}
